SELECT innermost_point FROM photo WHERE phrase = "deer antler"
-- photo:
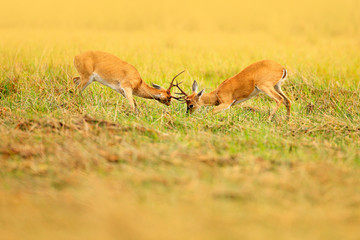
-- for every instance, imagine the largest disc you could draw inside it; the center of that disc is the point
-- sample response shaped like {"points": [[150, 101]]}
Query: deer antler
{"points": [[182, 98], [172, 81], [182, 91]]}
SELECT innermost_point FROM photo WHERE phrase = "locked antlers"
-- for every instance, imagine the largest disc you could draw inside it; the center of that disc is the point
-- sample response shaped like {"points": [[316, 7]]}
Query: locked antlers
{"points": [[177, 85], [172, 81]]}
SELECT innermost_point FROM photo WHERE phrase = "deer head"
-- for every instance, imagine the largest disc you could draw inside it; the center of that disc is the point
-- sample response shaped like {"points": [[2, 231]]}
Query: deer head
{"points": [[164, 96], [193, 100]]}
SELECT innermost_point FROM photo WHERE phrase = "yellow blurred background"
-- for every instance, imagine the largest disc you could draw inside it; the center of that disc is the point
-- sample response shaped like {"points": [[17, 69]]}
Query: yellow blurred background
{"points": [[331, 18], [318, 40]]}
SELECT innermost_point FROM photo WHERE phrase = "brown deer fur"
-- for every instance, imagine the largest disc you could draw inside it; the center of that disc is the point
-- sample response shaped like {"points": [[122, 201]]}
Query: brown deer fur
{"points": [[117, 74], [264, 76]]}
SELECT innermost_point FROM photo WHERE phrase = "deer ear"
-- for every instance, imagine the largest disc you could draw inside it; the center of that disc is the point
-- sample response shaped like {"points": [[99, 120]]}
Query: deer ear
{"points": [[156, 86], [199, 95], [195, 86]]}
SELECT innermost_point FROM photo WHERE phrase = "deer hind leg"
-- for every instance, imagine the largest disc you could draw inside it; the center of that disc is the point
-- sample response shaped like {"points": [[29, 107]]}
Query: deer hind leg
{"points": [[270, 91], [76, 80], [82, 82], [287, 101], [85, 71]]}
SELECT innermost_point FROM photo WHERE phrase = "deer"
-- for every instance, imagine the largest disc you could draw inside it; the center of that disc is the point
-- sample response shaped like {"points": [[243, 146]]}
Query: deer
{"points": [[264, 76], [111, 71]]}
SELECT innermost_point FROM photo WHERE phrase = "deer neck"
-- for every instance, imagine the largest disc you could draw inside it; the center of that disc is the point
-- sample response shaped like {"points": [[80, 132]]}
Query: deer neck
{"points": [[145, 91], [209, 99]]}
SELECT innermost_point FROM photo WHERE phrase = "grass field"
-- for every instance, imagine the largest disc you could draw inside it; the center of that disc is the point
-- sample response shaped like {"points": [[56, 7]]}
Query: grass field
{"points": [[86, 167]]}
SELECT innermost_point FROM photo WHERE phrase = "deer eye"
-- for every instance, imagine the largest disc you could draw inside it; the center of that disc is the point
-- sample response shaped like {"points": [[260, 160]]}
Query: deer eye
{"points": [[191, 105]]}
